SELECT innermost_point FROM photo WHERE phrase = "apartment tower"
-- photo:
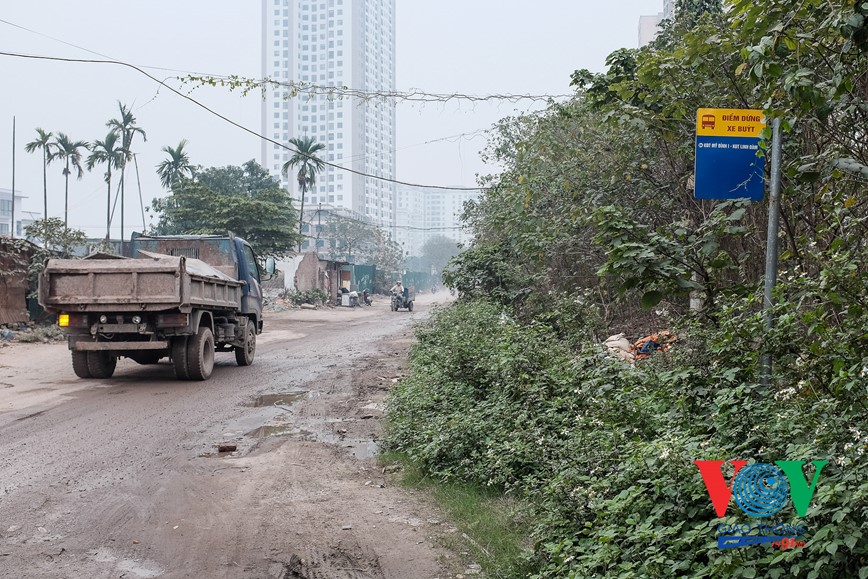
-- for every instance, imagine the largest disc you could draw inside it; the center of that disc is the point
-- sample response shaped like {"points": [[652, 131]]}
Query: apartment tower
{"points": [[332, 58]]}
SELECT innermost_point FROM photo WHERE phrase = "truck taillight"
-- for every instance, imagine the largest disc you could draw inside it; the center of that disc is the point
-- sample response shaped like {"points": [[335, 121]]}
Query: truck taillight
{"points": [[72, 321]]}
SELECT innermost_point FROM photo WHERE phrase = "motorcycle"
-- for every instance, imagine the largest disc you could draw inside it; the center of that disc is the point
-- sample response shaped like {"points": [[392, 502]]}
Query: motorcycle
{"points": [[402, 301]]}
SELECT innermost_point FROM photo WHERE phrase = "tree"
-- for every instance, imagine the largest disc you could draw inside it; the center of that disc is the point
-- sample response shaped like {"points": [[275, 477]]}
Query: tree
{"points": [[126, 127], [43, 141], [70, 152], [106, 151], [437, 251], [363, 243], [176, 167], [350, 237], [56, 235], [249, 179], [308, 165], [244, 200]]}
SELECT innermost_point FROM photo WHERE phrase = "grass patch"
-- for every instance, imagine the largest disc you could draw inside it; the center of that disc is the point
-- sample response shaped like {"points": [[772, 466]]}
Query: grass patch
{"points": [[493, 530]]}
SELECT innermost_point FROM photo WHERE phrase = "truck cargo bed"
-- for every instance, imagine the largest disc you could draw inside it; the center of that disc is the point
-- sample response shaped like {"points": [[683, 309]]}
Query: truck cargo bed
{"points": [[155, 283]]}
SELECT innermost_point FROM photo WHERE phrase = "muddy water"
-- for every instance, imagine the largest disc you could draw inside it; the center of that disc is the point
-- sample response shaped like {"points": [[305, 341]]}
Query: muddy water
{"points": [[282, 399]]}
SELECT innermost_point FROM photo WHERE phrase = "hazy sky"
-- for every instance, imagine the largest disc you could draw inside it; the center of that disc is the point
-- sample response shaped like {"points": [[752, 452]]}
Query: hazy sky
{"points": [[443, 46]]}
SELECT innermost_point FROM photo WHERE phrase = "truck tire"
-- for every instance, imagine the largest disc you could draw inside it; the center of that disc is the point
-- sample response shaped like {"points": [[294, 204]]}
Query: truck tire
{"points": [[244, 354], [79, 364], [200, 354], [179, 357], [101, 364], [410, 306]]}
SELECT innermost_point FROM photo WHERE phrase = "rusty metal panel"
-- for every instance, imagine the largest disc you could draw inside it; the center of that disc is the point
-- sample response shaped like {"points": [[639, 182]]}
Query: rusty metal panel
{"points": [[132, 285], [218, 252], [15, 255], [101, 346]]}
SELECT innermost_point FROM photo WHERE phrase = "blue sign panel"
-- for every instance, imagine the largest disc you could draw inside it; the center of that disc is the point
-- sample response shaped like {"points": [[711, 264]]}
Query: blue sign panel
{"points": [[729, 168]]}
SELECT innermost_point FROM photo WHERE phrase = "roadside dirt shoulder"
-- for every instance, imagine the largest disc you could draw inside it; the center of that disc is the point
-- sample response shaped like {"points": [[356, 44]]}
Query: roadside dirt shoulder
{"points": [[122, 478]]}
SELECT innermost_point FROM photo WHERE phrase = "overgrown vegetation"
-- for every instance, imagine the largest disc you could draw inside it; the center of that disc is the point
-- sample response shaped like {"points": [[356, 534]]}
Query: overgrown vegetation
{"points": [[245, 200], [316, 297], [594, 216], [490, 529]]}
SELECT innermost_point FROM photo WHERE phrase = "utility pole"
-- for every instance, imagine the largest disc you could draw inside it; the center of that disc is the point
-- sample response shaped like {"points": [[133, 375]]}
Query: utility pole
{"points": [[771, 275], [318, 225], [12, 227]]}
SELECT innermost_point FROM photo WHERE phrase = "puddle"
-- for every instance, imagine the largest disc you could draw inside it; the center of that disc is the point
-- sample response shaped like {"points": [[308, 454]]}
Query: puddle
{"points": [[360, 448], [271, 430], [283, 399], [229, 454]]}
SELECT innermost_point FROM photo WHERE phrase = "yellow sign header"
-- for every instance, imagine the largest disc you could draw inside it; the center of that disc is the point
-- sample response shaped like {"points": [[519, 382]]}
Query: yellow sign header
{"points": [[729, 122]]}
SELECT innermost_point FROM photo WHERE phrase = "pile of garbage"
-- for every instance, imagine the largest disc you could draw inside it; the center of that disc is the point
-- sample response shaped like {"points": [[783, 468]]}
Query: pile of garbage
{"points": [[620, 346]]}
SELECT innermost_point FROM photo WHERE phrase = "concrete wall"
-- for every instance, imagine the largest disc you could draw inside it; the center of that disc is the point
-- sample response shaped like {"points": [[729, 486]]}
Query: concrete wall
{"points": [[309, 275]]}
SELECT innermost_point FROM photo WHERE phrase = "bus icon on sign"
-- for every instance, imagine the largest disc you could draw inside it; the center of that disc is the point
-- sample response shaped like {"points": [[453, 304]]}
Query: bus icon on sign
{"points": [[708, 121]]}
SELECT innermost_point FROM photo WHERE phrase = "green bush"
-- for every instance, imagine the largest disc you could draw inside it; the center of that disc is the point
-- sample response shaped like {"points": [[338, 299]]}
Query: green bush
{"points": [[604, 452], [314, 296]]}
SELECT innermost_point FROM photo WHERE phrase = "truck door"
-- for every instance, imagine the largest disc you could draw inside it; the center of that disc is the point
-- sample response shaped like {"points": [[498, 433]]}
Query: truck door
{"points": [[252, 301]]}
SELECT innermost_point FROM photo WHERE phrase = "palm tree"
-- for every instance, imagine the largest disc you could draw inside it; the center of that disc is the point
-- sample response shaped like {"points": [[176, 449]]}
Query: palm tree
{"points": [[126, 128], [69, 151], [308, 166], [108, 152], [43, 141], [176, 166]]}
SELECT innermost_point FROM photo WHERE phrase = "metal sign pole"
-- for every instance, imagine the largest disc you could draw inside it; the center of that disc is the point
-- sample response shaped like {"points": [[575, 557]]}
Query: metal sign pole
{"points": [[772, 246], [12, 227]]}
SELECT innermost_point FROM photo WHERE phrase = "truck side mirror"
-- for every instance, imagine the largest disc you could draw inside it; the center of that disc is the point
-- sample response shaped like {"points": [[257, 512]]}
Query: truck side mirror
{"points": [[270, 266]]}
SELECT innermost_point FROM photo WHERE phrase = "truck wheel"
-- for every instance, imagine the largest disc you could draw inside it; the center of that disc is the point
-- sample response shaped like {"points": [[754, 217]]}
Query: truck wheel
{"points": [[79, 364], [101, 364], [179, 357], [200, 354], [410, 306], [244, 354]]}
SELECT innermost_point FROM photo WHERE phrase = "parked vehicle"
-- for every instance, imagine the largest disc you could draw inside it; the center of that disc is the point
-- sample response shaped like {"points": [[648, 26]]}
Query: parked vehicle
{"points": [[404, 300], [182, 297]]}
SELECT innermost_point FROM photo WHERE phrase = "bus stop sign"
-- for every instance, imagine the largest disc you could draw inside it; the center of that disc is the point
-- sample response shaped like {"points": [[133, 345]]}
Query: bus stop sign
{"points": [[727, 165]]}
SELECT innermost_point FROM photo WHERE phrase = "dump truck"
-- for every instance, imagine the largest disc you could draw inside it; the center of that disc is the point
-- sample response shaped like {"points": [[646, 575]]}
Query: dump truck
{"points": [[181, 297]]}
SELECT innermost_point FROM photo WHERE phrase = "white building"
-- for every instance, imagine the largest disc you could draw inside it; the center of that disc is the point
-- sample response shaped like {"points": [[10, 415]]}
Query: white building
{"points": [[425, 213], [311, 46], [649, 26], [22, 218]]}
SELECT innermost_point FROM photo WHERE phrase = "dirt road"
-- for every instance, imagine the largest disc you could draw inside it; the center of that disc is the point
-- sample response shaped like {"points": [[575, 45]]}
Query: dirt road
{"points": [[122, 478]]}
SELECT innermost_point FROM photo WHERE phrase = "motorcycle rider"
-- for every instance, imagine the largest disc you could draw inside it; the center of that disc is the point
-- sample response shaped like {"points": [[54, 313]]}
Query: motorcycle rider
{"points": [[399, 291]]}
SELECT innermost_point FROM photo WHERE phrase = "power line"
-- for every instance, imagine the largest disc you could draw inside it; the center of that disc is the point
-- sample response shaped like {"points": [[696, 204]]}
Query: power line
{"points": [[93, 51], [234, 81], [235, 124], [338, 215], [342, 92]]}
